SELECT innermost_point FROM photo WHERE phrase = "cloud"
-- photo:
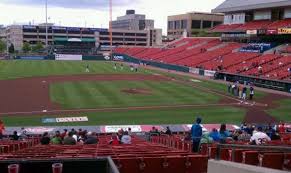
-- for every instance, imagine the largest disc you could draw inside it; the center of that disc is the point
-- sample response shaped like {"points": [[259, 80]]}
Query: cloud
{"points": [[76, 4]]}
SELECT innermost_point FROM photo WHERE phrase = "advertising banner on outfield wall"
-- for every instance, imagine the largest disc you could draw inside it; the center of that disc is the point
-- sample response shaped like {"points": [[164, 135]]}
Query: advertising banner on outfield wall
{"points": [[284, 31], [194, 70], [65, 57], [209, 73], [252, 32]]}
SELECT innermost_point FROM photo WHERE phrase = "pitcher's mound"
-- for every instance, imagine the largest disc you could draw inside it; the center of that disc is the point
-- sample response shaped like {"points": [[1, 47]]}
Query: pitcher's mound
{"points": [[137, 91]]}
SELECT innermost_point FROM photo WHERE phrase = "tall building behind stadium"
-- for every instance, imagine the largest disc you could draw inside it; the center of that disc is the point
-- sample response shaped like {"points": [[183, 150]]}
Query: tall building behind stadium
{"points": [[137, 32]]}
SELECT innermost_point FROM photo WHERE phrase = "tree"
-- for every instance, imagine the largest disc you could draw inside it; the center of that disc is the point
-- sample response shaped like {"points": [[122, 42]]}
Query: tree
{"points": [[11, 48], [37, 47], [26, 47], [2, 46]]}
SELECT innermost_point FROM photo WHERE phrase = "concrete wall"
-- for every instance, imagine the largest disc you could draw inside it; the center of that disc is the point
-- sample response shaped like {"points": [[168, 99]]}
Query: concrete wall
{"points": [[231, 167]]}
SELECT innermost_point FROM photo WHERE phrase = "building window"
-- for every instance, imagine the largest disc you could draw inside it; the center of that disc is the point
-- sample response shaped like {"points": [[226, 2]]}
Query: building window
{"points": [[206, 24], [183, 24], [196, 24]]}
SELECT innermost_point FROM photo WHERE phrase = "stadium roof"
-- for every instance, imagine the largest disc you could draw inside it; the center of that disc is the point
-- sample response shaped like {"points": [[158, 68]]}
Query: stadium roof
{"points": [[244, 5]]}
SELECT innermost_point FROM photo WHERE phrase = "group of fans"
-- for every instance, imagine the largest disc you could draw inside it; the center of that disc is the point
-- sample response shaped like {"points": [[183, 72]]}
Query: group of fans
{"points": [[253, 135]]}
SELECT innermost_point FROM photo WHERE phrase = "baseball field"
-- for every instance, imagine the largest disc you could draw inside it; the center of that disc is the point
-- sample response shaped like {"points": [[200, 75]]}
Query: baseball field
{"points": [[33, 90]]}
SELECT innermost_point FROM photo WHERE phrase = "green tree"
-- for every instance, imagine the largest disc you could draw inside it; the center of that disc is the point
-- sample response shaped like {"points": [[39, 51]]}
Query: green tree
{"points": [[2, 46], [37, 47], [26, 47], [11, 48]]}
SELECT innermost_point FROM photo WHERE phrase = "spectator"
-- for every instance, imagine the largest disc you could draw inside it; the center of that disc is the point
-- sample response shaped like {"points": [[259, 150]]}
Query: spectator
{"points": [[80, 132], [45, 139], [154, 131], [129, 131], [187, 136], [126, 139], [120, 134], [64, 134], [56, 140], [281, 128], [243, 126], [2, 128], [215, 135], [15, 137], [114, 140], [168, 131], [196, 133], [224, 134], [69, 140], [91, 138], [250, 129], [259, 137], [74, 131], [229, 87], [243, 136], [23, 134]]}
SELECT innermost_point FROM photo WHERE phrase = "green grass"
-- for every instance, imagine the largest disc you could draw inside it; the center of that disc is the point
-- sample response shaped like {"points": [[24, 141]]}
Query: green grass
{"points": [[24, 68], [109, 94], [137, 117], [283, 112]]}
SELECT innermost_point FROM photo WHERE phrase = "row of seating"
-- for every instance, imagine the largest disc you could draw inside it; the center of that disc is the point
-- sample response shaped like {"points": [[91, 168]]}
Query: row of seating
{"points": [[8, 146], [140, 156], [253, 25], [271, 159]]}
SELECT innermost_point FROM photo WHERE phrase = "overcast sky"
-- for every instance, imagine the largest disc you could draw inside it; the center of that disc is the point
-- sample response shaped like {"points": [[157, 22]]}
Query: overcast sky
{"points": [[95, 13]]}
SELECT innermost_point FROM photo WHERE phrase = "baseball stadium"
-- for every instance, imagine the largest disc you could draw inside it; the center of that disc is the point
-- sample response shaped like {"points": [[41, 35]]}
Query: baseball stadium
{"points": [[215, 98]]}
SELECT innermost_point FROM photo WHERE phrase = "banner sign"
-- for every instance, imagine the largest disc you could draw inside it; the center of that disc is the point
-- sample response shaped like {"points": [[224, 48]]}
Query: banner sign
{"points": [[284, 31], [209, 73], [118, 58], [252, 32], [31, 57], [194, 70], [60, 57], [29, 27], [272, 31], [64, 120], [72, 119], [59, 28], [114, 129]]}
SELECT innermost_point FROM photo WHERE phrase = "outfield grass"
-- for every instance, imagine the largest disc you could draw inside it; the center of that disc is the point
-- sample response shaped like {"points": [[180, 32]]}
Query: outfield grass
{"points": [[283, 112], [147, 117], [25, 68], [108, 94]]}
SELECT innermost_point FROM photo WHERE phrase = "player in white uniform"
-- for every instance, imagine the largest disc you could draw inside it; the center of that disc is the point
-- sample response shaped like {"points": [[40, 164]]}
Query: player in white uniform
{"points": [[260, 137]]}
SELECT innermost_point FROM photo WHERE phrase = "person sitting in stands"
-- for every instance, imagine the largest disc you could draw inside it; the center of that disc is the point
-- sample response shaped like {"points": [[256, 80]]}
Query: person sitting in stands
{"points": [[56, 140], [243, 136], [2, 128], [281, 128], [91, 138], [69, 140], [129, 131], [224, 134], [15, 137], [259, 137], [114, 140], [126, 139], [45, 139], [64, 134], [154, 131], [168, 131], [215, 135]]}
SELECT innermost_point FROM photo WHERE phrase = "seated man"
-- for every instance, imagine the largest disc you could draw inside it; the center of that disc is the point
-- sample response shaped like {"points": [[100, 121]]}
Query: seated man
{"points": [[45, 139], [259, 137], [56, 140], [69, 140], [91, 138], [15, 136], [126, 139]]}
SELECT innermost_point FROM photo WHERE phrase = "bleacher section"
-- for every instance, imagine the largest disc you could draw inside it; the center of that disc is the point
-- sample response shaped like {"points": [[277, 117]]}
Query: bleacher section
{"points": [[240, 152], [140, 156], [253, 25], [212, 54]]}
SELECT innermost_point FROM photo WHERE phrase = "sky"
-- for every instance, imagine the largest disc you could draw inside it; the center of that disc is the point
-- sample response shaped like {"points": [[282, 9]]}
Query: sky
{"points": [[95, 13]]}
